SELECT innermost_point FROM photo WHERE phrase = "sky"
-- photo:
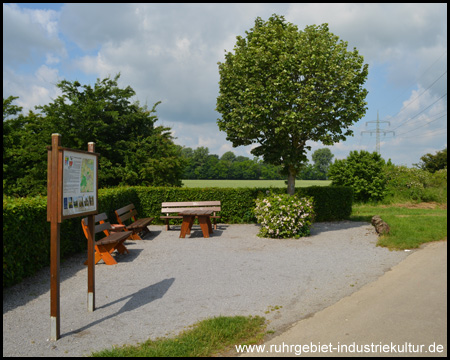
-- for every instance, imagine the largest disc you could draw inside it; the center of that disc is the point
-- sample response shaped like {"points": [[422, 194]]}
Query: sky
{"points": [[169, 52]]}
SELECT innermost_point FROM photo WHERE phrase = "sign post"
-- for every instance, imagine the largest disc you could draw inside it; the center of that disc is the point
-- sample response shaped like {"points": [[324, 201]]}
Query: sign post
{"points": [[72, 191], [54, 216], [91, 253]]}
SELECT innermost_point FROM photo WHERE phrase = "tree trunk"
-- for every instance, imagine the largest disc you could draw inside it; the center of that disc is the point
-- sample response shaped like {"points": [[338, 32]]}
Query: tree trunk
{"points": [[291, 181]]}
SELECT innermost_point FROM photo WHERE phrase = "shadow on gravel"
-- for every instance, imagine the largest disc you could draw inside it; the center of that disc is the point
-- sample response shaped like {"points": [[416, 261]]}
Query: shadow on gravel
{"points": [[150, 235], [321, 227], [196, 231], [135, 301], [34, 286], [125, 258]]}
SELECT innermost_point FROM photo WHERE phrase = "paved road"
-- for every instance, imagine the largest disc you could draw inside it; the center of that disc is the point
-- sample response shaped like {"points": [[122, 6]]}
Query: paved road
{"points": [[403, 312]]}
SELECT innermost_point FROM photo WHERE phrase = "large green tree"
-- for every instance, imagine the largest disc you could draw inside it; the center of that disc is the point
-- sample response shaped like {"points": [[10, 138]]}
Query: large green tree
{"points": [[133, 151], [282, 87]]}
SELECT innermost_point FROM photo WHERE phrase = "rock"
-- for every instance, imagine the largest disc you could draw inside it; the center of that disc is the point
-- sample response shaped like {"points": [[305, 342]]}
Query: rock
{"points": [[381, 227]]}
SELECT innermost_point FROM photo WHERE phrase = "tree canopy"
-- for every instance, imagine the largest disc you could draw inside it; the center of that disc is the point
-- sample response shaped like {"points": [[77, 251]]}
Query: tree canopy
{"points": [[282, 87], [133, 151], [433, 163]]}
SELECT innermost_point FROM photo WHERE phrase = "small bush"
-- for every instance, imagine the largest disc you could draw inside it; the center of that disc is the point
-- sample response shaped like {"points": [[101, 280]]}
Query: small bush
{"points": [[363, 172], [284, 216]]}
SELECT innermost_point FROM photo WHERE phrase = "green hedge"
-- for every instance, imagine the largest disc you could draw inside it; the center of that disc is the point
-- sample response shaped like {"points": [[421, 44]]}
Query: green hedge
{"points": [[26, 232]]}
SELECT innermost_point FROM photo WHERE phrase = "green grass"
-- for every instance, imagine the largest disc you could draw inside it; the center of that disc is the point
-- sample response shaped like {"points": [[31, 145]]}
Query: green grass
{"points": [[410, 227], [206, 338], [252, 183]]}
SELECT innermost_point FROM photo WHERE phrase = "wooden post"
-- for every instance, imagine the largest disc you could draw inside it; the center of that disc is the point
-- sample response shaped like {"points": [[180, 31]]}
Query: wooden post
{"points": [[91, 253], [54, 215]]}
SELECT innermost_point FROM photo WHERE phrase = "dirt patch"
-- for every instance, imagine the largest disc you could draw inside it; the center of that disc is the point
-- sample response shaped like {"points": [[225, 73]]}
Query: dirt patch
{"points": [[423, 205], [402, 216]]}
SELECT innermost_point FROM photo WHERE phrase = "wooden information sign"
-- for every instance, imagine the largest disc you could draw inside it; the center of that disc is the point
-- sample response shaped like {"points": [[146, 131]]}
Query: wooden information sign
{"points": [[72, 189]]}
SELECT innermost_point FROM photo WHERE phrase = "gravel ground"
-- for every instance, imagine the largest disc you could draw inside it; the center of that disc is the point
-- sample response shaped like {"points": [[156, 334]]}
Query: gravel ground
{"points": [[166, 284]]}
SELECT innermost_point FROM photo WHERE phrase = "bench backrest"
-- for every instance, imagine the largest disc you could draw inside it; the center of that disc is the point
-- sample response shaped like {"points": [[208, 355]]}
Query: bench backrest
{"points": [[125, 213], [103, 226], [174, 207]]}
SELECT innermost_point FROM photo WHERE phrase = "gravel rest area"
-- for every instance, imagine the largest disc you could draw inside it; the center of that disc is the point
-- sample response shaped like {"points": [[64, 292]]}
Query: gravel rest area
{"points": [[166, 284]]}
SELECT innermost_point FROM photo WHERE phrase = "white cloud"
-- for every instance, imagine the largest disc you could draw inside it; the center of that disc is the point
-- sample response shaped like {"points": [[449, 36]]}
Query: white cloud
{"points": [[406, 36], [169, 52], [34, 89], [29, 35]]}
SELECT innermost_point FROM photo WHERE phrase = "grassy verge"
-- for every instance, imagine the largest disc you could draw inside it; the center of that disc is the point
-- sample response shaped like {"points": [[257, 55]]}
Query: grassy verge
{"points": [[206, 338], [411, 224]]}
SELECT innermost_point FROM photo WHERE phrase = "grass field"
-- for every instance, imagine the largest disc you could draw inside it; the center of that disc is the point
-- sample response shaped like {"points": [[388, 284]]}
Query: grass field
{"points": [[411, 224], [252, 183]]}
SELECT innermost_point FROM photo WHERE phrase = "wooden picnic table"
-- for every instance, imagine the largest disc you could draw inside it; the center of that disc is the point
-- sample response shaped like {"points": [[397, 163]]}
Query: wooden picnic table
{"points": [[203, 219]]}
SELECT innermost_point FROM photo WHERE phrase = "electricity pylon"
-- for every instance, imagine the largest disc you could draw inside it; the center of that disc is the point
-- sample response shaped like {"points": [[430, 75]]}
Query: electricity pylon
{"points": [[377, 131]]}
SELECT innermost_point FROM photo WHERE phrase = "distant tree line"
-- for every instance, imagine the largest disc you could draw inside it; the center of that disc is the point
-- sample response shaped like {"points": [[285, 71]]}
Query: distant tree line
{"points": [[200, 164]]}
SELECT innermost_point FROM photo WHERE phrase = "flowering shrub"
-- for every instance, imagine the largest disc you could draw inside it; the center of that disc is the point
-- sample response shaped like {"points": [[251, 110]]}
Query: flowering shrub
{"points": [[416, 184], [284, 216]]}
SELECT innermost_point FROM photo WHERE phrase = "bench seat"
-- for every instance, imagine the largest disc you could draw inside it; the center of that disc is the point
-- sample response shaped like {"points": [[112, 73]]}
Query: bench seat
{"points": [[127, 216]]}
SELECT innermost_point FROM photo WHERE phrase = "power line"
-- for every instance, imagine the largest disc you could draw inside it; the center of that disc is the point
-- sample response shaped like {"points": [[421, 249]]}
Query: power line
{"points": [[377, 131], [423, 92], [404, 122], [422, 125], [420, 120], [431, 132], [417, 79]]}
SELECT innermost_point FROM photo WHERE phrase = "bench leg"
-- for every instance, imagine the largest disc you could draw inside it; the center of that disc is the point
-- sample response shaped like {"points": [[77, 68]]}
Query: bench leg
{"points": [[121, 248], [135, 236], [144, 231], [97, 258], [105, 253]]}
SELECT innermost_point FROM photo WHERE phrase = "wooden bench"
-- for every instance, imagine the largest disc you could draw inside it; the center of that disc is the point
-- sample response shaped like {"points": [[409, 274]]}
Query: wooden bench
{"points": [[174, 208], [115, 236], [138, 227]]}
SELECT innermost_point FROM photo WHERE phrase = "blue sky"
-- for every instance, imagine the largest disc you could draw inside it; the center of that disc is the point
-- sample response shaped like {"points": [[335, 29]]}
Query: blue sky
{"points": [[169, 53]]}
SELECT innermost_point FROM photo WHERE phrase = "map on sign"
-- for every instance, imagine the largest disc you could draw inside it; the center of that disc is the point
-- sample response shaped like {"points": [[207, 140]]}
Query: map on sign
{"points": [[87, 175], [79, 183]]}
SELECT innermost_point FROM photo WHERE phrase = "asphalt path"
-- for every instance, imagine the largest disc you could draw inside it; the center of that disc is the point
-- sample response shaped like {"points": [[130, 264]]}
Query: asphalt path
{"points": [[403, 313]]}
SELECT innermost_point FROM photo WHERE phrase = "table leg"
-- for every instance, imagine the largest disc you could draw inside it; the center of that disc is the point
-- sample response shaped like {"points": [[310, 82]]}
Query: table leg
{"points": [[205, 226], [191, 222], [186, 225], [208, 221]]}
